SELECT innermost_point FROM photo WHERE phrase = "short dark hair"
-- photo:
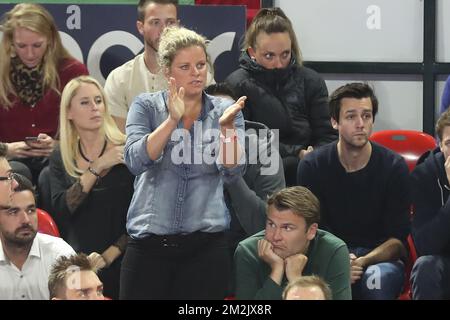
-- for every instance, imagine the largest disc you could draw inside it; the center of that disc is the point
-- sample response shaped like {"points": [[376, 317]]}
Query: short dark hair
{"points": [[62, 268], [144, 3], [300, 200], [307, 282], [443, 121], [23, 184], [3, 150], [220, 89], [357, 90]]}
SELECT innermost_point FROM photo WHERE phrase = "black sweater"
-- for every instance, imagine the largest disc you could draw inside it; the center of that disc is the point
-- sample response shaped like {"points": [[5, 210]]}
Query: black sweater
{"points": [[431, 220], [364, 208], [293, 100], [100, 219]]}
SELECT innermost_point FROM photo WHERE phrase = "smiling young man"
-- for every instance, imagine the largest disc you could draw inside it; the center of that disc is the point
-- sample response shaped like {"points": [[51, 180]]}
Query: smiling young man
{"points": [[291, 246], [25, 255], [363, 189]]}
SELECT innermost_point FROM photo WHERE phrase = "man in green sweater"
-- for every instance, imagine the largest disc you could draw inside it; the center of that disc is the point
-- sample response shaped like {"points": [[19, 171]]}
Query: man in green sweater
{"points": [[291, 246]]}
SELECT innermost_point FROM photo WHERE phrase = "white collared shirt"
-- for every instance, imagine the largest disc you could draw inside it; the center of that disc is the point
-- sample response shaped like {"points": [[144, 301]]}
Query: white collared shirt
{"points": [[31, 283]]}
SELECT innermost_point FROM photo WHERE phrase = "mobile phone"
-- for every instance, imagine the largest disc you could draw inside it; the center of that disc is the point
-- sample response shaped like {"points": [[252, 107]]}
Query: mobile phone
{"points": [[30, 140]]}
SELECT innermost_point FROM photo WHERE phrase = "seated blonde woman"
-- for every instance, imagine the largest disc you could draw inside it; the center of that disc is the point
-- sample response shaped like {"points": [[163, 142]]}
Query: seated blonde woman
{"points": [[34, 68], [91, 187]]}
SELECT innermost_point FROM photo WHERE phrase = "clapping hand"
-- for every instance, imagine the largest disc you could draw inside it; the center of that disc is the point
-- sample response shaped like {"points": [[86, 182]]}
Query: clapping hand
{"points": [[176, 102], [226, 121]]}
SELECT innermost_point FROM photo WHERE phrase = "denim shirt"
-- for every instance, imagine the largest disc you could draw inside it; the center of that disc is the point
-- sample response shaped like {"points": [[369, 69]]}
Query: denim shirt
{"points": [[174, 196]]}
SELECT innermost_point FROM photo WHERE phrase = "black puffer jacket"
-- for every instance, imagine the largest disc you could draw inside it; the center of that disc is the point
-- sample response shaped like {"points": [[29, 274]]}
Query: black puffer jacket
{"points": [[293, 100]]}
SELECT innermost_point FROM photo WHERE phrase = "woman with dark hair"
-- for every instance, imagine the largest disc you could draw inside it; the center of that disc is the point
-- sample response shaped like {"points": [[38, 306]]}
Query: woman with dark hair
{"points": [[281, 92]]}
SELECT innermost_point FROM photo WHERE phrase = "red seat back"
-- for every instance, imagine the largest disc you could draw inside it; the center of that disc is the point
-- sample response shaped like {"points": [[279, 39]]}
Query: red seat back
{"points": [[46, 224], [406, 294], [409, 144]]}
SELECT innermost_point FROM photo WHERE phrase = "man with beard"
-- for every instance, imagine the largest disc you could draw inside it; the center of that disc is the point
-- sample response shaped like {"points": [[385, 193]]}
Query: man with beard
{"points": [[141, 74], [25, 255], [290, 247], [364, 193]]}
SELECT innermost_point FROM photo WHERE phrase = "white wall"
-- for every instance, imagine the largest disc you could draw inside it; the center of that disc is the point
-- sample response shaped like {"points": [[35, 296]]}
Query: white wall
{"points": [[358, 30], [400, 98], [373, 31], [443, 31]]}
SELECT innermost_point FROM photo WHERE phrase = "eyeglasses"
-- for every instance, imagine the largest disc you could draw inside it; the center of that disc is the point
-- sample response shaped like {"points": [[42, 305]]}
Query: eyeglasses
{"points": [[11, 176]]}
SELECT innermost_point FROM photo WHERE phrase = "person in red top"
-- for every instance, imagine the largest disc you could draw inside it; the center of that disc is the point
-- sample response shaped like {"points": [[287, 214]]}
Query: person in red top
{"points": [[34, 68]]}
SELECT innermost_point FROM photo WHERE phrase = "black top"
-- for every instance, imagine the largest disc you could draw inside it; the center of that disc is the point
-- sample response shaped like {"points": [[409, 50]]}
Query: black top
{"points": [[293, 99], [431, 219], [366, 207], [99, 221]]}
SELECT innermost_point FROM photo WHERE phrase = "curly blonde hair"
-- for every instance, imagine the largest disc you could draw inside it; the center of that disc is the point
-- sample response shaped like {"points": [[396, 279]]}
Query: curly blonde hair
{"points": [[175, 38]]}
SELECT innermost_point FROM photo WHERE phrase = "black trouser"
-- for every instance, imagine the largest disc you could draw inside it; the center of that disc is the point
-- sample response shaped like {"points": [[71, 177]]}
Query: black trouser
{"points": [[111, 279], [290, 165], [193, 266]]}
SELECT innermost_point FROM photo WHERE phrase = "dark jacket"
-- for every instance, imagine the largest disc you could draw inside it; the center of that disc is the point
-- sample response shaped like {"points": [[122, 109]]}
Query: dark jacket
{"points": [[293, 100], [246, 196], [431, 220]]}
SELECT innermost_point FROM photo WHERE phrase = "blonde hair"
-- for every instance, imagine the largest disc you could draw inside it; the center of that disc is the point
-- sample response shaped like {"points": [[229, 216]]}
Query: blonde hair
{"points": [[68, 133], [173, 39], [272, 20], [35, 18]]}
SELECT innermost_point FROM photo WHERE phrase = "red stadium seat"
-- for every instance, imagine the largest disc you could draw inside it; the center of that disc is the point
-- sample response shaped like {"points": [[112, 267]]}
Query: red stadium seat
{"points": [[46, 224], [409, 144], [406, 294]]}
